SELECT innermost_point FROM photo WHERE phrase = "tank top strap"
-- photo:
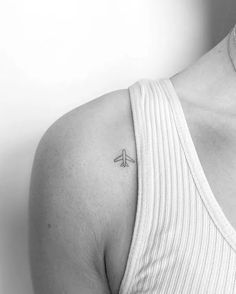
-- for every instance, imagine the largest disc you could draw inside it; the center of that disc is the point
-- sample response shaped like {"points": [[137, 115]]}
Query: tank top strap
{"points": [[158, 155]]}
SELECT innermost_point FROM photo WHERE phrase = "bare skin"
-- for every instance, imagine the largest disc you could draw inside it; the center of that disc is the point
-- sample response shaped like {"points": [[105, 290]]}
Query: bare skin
{"points": [[83, 204]]}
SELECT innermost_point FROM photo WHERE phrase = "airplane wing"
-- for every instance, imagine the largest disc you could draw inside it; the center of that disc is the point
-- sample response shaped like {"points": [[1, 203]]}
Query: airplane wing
{"points": [[129, 158], [119, 158]]}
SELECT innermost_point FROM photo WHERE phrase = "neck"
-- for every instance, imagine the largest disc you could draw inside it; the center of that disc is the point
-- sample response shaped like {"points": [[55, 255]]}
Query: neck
{"points": [[232, 47], [211, 80]]}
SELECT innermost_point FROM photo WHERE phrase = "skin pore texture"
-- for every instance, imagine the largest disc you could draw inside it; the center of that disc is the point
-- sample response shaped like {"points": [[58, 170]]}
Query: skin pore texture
{"points": [[83, 203]]}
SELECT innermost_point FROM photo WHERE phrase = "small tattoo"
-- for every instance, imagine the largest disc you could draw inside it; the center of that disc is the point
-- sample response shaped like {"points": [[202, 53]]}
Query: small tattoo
{"points": [[124, 158]]}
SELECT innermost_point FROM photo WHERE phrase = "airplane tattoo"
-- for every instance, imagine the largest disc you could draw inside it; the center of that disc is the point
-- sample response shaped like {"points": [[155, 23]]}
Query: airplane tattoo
{"points": [[124, 158]]}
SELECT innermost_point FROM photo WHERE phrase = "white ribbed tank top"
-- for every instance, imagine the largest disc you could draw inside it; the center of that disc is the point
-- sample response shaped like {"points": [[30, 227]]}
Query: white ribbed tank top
{"points": [[182, 241]]}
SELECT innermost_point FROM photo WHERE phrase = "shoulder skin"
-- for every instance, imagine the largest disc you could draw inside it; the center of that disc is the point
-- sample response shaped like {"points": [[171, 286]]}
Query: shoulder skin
{"points": [[82, 203]]}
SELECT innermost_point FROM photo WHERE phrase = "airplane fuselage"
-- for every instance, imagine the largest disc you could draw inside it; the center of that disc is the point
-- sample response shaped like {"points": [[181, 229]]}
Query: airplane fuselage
{"points": [[124, 156]]}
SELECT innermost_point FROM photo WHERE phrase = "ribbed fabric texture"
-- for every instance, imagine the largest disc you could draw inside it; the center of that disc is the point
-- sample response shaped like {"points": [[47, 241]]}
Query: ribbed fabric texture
{"points": [[182, 241]]}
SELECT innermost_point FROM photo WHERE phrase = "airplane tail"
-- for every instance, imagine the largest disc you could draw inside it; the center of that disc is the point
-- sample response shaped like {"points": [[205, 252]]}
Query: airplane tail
{"points": [[124, 165]]}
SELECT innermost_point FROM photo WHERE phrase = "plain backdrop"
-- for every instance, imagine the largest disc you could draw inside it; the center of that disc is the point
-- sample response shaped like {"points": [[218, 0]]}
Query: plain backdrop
{"points": [[58, 54]]}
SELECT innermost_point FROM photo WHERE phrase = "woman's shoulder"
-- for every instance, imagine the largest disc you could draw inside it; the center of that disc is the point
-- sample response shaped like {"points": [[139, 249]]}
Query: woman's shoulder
{"points": [[75, 175]]}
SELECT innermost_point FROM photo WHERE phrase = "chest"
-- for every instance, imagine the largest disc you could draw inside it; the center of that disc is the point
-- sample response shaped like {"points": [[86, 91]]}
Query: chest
{"points": [[214, 139]]}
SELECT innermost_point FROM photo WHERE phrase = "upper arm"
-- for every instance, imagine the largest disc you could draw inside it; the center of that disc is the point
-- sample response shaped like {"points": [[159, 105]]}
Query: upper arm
{"points": [[66, 245], [70, 209]]}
